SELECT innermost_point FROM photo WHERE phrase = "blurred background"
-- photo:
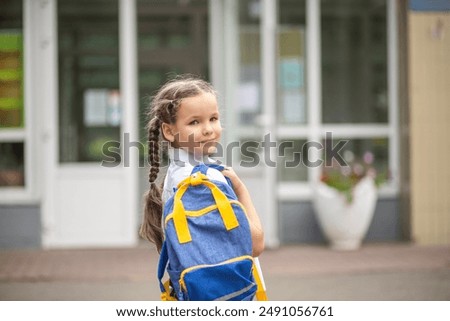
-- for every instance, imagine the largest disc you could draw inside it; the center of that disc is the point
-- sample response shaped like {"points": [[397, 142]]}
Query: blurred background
{"points": [[75, 75]]}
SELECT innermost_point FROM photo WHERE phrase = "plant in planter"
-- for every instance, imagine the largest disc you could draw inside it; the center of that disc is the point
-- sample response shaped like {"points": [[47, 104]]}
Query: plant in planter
{"points": [[344, 201]]}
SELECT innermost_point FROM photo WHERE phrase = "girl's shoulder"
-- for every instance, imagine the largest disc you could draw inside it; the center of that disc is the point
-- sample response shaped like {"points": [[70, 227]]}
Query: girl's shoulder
{"points": [[216, 175], [178, 171]]}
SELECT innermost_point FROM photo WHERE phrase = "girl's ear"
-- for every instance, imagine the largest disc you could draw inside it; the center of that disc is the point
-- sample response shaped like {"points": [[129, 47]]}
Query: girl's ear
{"points": [[167, 132]]}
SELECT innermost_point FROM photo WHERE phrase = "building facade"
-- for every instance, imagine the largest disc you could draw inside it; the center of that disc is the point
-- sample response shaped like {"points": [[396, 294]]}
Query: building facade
{"points": [[77, 77]]}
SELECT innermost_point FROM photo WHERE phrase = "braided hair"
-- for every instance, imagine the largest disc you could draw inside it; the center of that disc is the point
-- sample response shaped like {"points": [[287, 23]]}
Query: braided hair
{"points": [[163, 109]]}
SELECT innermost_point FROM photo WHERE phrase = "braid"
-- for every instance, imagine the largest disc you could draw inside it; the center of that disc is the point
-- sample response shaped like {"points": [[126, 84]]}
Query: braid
{"points": [[151, 228], [153, 149]]}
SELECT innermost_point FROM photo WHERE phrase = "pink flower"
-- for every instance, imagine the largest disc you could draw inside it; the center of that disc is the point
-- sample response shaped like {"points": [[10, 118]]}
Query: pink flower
{"points": [[368, 158]]}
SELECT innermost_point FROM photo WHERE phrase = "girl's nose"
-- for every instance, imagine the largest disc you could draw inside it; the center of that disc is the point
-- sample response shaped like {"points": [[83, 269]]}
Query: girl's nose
{"points": [[207, 130]]}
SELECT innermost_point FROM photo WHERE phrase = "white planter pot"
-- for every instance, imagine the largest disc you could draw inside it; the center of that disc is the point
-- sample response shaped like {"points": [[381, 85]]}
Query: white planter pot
{"points": [[345, 224]]}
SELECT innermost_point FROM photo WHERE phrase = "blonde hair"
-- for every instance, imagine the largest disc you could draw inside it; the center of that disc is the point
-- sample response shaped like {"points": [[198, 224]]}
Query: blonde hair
{"points": [[163, 109]]}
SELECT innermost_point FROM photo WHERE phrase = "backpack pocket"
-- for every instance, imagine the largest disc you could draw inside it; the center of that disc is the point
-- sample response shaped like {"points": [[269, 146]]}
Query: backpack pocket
{"points": [[231, 280]]}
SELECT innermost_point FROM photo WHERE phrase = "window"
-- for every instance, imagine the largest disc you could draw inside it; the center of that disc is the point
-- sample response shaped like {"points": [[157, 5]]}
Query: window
{"points": [[353, 65], [12, 110], [292, 113], [292, 160], [90, 109], [249, 90], [354, 62], [354, 68], [12, 164], [356, 148]]}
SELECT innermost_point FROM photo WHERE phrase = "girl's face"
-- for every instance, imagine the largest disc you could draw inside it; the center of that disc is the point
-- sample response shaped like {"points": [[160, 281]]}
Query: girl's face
{"points": [[197, 129]]}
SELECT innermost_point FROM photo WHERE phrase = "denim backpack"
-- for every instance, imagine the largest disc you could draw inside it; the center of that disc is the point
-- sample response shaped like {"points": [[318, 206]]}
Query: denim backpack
{"points": [[207, 250]]}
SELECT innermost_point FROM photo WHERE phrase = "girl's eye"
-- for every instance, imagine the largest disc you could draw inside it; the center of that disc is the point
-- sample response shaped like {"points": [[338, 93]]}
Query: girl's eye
{"points": [[214, 119], [194, 122]]}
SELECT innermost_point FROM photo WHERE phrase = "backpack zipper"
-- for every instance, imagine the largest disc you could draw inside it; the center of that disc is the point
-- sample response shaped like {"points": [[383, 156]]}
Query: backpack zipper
{"points": [[192, 268]]}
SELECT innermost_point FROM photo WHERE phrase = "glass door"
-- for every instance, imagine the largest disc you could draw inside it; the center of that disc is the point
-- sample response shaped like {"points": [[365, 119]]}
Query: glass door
{"points": [[90, 197]]}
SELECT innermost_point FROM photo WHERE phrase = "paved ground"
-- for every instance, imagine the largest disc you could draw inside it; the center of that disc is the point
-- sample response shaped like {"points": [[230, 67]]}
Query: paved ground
{"points": [[301, 273]]}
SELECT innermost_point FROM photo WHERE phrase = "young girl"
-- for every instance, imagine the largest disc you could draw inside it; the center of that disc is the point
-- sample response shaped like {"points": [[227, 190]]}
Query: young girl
{"points": [[185, 113]]}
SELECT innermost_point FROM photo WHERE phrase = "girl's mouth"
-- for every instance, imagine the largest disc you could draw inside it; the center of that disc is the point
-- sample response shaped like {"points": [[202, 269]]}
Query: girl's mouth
{"points": [[207, 142]]}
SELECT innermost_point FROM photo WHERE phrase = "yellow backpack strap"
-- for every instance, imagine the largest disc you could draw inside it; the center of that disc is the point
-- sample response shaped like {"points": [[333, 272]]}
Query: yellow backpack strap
{"points": [[223, 205], [165, 296], [179, 216], [261, 294]]}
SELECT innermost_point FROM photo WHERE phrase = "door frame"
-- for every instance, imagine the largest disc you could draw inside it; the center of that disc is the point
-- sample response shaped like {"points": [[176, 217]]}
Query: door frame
{"points": [[121, 180]]}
